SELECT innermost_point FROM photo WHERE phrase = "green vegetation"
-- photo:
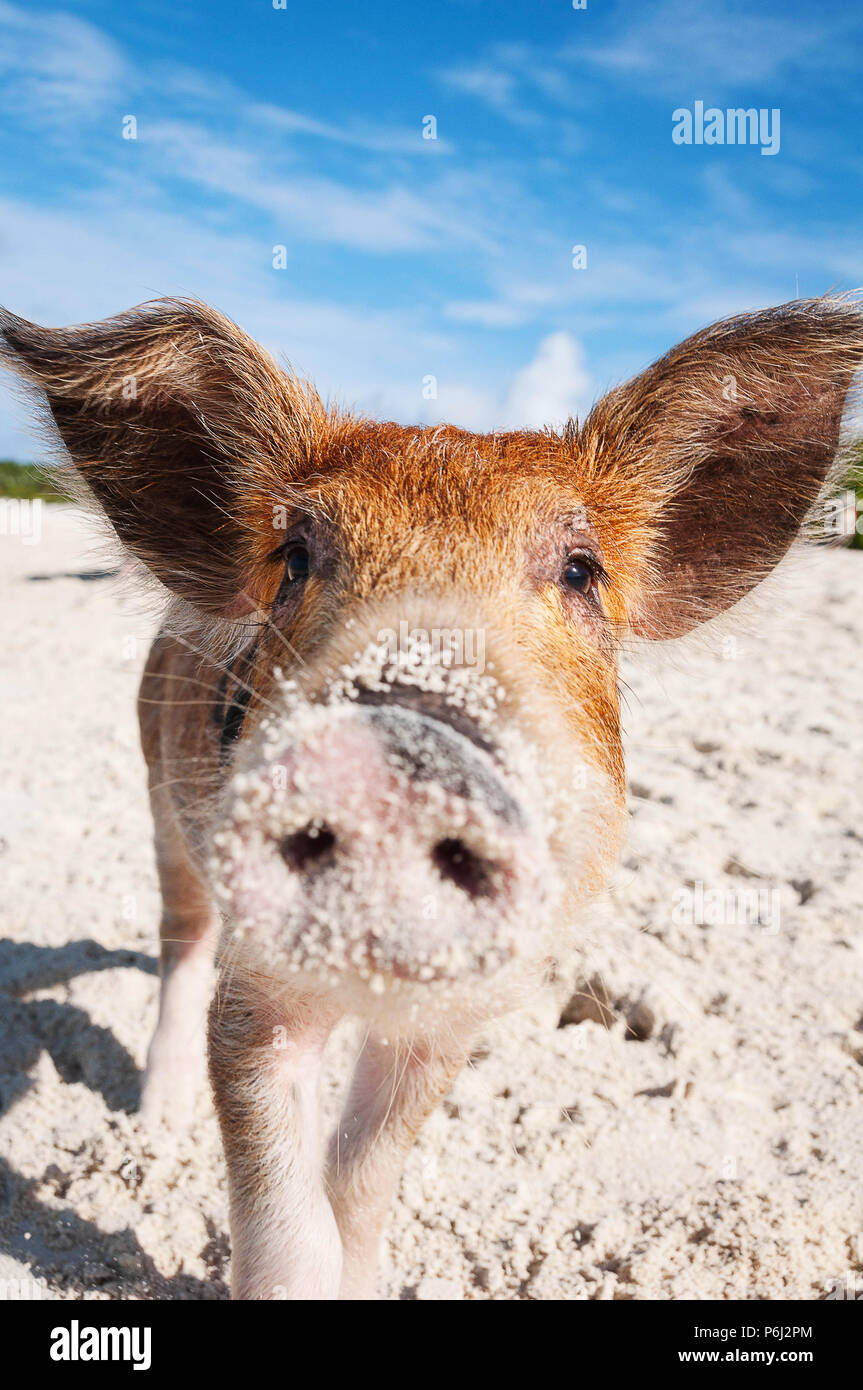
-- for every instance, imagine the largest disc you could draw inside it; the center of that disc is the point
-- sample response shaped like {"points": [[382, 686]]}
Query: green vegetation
{"points": [[26, 480]]}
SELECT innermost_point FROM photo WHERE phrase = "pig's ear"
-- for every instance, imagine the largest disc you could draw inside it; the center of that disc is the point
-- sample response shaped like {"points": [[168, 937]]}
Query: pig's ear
{"points": [[716, 455], [165, 412]]}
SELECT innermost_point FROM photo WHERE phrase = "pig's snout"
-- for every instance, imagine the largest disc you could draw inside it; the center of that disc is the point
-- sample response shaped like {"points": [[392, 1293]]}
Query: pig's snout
{"points": [[388, 844], [316, 848], [429, 797]]}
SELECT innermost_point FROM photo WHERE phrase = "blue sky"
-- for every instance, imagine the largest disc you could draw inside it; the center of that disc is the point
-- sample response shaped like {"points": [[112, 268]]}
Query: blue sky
{"points": [[409, 258]]}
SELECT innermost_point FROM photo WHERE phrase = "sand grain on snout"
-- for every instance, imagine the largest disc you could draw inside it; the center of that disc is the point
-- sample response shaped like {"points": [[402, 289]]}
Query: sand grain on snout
{"points": [[697, 1132]]}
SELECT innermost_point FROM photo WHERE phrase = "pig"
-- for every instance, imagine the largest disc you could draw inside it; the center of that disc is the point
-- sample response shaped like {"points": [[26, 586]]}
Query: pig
{"points": [[381, 715]]}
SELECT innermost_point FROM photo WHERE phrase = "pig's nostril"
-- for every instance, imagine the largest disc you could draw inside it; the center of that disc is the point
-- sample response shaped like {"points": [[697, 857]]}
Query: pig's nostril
{"points": [[306, 847], [467, 870]]}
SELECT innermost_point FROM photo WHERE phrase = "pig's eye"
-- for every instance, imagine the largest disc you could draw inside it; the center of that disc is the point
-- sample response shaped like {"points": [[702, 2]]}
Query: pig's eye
{"points": [[297, 564], [579, 574]]}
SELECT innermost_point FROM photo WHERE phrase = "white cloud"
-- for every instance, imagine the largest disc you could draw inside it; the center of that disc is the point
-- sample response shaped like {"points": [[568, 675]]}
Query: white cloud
{"points": [[497, 88], [370, 219], [555, 385], [683, 40], [489, 313], [51, 63], [493, 86]]}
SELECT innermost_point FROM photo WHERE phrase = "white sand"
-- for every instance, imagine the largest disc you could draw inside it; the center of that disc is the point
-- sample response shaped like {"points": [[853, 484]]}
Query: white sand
{"points": [[719, 1156]]}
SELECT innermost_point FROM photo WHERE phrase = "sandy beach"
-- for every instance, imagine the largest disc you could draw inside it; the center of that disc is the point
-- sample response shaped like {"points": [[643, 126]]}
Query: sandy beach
{"points": [[693, 1130]]}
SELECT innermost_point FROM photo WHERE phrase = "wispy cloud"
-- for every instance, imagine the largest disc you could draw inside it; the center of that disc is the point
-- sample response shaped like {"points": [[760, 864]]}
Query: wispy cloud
{"points": [[378, 139], [733, 44], [489, 313], [379, 219], [53, 64], [662, 47], [496, 85]]}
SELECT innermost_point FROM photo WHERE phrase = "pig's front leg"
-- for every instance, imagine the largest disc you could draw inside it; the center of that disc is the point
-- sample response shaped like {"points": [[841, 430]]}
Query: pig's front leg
{"points": [[265, 1063], [176, 1068], [396, 1086]]}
